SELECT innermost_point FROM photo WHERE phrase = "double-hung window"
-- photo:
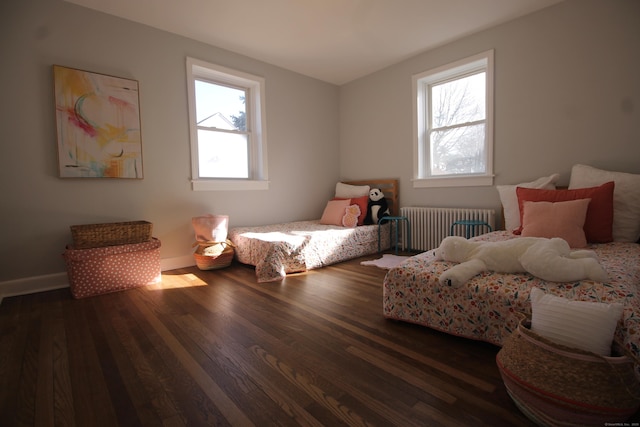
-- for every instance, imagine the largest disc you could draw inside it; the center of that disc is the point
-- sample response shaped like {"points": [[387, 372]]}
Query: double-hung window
{"points": [[453, 115], [227, 127]]}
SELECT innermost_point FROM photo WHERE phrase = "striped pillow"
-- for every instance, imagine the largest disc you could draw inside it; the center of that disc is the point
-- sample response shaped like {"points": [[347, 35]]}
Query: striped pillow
{"points": [[580, 324]]}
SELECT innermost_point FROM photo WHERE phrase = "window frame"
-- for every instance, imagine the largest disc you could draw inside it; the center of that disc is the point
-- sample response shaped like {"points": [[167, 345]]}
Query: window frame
{"points": [[421, 84], [256, 126]]}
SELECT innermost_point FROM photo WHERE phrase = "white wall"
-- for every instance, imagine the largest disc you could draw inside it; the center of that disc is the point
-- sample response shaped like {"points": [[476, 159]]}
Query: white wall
{"points": [[38, 207], [567, 90]]}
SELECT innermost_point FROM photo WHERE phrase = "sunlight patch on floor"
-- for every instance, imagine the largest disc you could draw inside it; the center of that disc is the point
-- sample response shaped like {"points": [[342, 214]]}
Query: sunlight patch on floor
{"points": [[176, 281]]}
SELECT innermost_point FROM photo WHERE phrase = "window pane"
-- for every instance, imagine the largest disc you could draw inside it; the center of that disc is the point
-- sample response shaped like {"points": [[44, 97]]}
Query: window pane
{"points": [[458, 151], [220, 106], [458, 101], [223, 155]]}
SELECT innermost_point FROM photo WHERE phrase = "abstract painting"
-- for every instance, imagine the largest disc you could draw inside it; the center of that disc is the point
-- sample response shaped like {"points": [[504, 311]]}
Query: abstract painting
{"points": [[98, 122]]}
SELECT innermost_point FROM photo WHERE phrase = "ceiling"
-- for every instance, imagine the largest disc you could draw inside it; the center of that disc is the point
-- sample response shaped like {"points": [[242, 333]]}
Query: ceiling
{"points": [[332, 40]]}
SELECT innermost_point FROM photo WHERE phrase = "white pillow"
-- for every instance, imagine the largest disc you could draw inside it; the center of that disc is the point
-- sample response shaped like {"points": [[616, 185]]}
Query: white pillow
{"points": [[626, 198], [509, 199], [348, 191], [580, 324]]}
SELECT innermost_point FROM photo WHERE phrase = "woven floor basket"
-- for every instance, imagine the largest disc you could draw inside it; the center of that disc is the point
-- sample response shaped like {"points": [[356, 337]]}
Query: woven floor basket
{"points": [[110, 234], [210, 256], [555, 385]]}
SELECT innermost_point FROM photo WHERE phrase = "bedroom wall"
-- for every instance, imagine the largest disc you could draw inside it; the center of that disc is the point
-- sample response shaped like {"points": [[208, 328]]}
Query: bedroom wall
{"points": [[567, 90], [38, 207]]}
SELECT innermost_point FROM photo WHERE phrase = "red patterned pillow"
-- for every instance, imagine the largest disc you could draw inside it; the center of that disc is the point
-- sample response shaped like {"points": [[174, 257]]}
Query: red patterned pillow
{"points": [[599, 222]]}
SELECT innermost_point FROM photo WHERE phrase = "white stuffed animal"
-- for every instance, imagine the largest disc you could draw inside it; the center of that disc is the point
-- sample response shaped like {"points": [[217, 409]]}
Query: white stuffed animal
{"points": [[548, 259]]}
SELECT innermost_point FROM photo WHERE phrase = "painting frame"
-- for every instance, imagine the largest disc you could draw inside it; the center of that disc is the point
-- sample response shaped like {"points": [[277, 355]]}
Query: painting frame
{"points": [[98, 125]]}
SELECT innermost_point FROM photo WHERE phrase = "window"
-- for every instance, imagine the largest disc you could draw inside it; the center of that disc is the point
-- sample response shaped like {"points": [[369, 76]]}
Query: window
{"points": [[453, 128], [227, 124]]}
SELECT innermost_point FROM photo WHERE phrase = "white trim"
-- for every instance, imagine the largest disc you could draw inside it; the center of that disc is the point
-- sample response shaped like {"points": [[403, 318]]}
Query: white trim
{"points": [[257, 126], [173, 263], [50, 282], [454, 181], [227, 185], [490, 111], [30, 285], [484, 61]]}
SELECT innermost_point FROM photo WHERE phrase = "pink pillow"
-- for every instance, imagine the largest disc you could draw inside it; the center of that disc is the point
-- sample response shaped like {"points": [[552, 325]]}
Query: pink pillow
{"points": [[334, 211], [362, 202], [598, 225], [350, 217], [559, 219]]}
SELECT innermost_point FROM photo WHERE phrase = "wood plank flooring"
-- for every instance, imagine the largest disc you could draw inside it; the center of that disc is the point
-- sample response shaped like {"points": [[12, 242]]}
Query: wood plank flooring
{"points": [[215, 348]]}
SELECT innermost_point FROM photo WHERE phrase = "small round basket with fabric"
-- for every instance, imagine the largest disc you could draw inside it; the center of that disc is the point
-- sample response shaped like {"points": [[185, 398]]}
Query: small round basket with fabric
{"points": [[556, 385], [212, 256]]}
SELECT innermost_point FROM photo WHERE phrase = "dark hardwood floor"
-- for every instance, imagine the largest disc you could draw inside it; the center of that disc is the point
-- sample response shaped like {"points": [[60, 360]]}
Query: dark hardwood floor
{"points": [[217, 348]]}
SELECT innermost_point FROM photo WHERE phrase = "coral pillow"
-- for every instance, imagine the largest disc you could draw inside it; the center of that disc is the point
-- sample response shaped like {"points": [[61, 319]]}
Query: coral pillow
{"points": [[560, 219], [598, 224], [334, 211], [362, 203]]}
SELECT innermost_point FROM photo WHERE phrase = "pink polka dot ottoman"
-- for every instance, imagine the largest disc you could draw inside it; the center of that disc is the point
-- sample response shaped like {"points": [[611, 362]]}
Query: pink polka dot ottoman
{"points": [[98, 271]]}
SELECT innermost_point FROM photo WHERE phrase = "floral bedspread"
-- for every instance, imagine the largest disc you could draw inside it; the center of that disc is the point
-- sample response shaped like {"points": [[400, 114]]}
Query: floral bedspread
{"points": [[278, 249], [487, 307]]}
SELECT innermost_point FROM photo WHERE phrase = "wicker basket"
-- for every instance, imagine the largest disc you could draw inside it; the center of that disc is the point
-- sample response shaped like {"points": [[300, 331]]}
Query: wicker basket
{"points": [[556, 385], [110, 234], [210, 256]]}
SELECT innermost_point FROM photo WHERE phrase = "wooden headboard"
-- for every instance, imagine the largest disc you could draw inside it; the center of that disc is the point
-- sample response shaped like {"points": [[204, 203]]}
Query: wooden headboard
{"points": [[388, 186]]}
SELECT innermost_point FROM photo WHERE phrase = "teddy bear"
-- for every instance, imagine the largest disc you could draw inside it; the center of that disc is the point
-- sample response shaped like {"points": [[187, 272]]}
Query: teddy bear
{"points": [[377, 207], [549, 259]]}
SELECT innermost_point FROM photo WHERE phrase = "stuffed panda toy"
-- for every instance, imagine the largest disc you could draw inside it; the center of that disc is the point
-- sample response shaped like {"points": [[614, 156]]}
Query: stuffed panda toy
{"points": [[377, 207]]}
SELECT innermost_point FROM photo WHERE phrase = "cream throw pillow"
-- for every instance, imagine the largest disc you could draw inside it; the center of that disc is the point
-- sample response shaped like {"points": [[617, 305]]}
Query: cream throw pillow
{"points": [[348, 191], [509, 199], [626, 198], [580, 324]]}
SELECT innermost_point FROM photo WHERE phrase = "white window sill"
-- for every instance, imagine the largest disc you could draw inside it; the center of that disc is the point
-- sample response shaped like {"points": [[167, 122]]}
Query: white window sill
{"points": [[458, 181], [228, 185]]}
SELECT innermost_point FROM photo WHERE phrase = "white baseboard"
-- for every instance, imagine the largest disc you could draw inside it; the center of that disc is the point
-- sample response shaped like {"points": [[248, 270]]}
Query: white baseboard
{"points": [[177, 262], [49, 282], [30, 285]]}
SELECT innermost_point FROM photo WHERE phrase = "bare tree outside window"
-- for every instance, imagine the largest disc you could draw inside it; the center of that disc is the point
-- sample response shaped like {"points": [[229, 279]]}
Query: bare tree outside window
{"points": [[453, 124], [457, 126]]}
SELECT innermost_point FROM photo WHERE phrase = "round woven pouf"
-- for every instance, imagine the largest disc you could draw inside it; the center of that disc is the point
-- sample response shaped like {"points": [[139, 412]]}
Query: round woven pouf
{"points": [[555, 385]]}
